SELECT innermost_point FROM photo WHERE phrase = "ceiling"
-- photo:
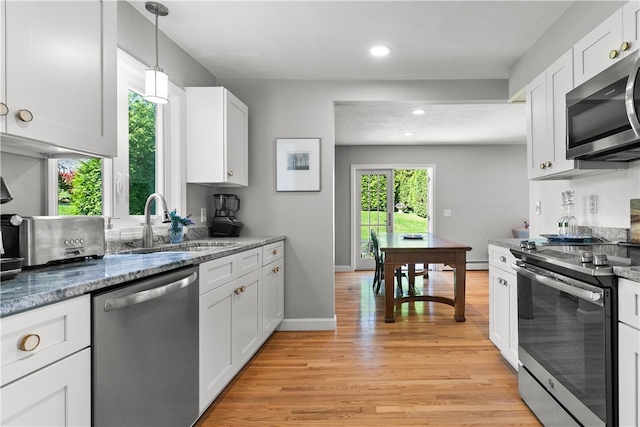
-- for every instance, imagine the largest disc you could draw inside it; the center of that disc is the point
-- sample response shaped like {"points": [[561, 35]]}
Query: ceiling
{"points": [[329, 40]]}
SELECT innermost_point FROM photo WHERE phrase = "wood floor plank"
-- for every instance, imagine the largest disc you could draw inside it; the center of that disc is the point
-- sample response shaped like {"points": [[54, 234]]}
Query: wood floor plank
{"points": [[423, 370]]}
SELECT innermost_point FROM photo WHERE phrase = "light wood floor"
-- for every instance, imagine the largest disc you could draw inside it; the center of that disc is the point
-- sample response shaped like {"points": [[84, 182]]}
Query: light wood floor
{"points": [[423, 370]]}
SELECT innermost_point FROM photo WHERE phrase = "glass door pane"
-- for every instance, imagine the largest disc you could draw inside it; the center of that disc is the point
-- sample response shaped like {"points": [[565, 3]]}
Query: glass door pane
{"points": [[375, 211]]}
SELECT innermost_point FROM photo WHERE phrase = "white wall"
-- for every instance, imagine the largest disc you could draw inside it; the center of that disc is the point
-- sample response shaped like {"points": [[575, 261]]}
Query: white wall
{"points": [[290, 108], [485, 187], [24, 177]]}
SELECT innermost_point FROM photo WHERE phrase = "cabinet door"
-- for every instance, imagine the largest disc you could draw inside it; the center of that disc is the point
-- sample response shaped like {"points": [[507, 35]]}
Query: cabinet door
{"points": [[539, 151], [216, 357], [60, 65], [272, 297], [559, 82], [629, 375], [498, 309], [512, 349], [247, 316], [58, 395], [591, 53], [631, 25], [237, 140]]}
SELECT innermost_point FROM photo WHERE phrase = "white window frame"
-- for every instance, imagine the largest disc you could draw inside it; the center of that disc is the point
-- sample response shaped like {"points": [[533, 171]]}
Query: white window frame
{"points": [[170, 157]]}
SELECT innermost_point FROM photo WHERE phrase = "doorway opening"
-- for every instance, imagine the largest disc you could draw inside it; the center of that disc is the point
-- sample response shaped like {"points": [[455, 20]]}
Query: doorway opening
{"points": [[394, 198]]}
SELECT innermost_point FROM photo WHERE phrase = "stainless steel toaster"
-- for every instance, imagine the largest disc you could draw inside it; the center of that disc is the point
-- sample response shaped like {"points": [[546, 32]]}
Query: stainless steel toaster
{"points": [[42, 240]]}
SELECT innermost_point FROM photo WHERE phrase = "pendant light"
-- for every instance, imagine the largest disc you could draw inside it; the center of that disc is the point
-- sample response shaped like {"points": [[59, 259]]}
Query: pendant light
{"points": [[156, 82]]}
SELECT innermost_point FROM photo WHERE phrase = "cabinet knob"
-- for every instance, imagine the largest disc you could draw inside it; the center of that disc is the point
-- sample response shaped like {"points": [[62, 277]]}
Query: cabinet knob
{"points": [[4, 110], [545, 165], [24, 115], [276, 269], [29, 342], [613, 54], [242, 288], [625, 46], [275, 252], [503, 258], [237, 291], [230, 173]]}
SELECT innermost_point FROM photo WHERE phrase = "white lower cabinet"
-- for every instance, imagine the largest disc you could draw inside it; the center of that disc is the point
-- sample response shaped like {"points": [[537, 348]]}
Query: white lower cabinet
{"points": [[58, 395], [46, 366], [503, 303], [272, 288], [629, 352], [233, 295]]}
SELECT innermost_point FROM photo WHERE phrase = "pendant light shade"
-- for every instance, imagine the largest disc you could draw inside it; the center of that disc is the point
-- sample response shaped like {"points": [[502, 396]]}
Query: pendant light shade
{"points": [[156, 82], [156, 86]]}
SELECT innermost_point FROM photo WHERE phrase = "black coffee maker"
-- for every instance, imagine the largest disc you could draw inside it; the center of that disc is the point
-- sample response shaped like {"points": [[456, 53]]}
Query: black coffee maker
{"points": [[224, 221]]}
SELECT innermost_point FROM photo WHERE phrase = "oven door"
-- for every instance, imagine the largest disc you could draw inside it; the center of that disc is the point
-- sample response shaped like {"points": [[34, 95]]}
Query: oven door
{"points": [[565, 342]]}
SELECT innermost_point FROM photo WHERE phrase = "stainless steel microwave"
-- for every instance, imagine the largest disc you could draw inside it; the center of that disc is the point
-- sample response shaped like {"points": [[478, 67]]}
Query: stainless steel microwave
{"points": [[602, 115]]}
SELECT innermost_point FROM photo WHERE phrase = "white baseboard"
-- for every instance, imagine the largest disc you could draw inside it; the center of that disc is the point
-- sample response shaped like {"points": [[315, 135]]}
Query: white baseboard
{"points": [[308, 324], [343, 268]]}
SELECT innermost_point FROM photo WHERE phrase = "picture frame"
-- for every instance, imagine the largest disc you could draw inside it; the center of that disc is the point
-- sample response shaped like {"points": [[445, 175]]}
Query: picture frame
{"points": [[298, 164]]}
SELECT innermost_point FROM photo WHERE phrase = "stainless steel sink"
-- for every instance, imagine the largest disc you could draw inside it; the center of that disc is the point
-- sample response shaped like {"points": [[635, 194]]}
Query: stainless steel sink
{"points": [[188, 247]]}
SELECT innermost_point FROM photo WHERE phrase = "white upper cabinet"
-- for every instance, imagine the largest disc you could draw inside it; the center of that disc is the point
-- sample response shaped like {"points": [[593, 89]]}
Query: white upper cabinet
{"points": [[59, 76], [546, 122], [217, 137], [610, 41]]}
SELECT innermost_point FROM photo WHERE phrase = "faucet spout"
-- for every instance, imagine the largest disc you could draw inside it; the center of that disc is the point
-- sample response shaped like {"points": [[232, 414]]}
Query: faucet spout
{"points": [[147, 232]]}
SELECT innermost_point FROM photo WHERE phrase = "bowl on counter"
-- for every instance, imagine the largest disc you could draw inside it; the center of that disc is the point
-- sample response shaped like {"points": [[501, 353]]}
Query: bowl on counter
{"points": [[520, 233]]}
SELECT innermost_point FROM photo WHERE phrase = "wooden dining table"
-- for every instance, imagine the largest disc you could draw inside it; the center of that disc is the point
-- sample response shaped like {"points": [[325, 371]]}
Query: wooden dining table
{"points": [[422, 248]]}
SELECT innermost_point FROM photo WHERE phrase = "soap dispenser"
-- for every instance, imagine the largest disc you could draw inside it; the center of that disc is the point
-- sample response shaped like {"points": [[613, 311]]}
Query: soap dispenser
{"points": [[111, 237]]}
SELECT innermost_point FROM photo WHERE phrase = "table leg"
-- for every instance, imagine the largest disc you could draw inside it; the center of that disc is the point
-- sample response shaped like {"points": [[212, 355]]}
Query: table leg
{"points": [[389, 306], [459, 279]]}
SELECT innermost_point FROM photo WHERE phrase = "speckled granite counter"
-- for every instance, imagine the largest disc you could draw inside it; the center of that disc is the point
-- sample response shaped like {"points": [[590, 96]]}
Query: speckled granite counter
{"points": [[506, 242], [37, 287]]}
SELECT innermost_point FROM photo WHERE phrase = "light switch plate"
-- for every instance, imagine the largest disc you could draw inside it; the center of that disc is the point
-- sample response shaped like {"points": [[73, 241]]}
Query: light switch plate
{"points": [[593, 203], [538, 207]]}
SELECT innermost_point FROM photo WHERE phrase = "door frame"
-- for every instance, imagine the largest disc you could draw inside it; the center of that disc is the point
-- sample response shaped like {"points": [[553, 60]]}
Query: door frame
{"points": [[355, 168]]}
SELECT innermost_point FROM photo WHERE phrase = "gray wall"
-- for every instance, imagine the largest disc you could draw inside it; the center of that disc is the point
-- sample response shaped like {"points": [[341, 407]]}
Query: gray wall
{"points": [[486, 188], [136, 37], [578, 20], [279, 108]]}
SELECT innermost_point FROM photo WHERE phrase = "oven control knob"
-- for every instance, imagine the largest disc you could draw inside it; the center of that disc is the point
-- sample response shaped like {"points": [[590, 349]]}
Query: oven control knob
{"points": [[586, 257], [531, 245], [600, 259]]}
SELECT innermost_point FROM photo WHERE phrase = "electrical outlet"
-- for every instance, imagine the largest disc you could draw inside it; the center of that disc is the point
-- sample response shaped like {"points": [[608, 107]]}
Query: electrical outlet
{"points": [[593, 203], [447, 212], [538, 207], [203, 215]]}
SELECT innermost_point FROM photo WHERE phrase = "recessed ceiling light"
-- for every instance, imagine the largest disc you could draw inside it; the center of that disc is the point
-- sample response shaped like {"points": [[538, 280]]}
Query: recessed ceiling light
{"points": [[408, 134], [418, 112], [380, 50]]}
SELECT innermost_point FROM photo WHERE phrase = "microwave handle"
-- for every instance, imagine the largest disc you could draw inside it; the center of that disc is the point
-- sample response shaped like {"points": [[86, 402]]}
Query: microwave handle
{"points": [[629, 101]]}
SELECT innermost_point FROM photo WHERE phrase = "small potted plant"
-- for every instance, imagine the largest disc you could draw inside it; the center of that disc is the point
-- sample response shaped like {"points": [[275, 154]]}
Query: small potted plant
{"points": [[176, 226]]}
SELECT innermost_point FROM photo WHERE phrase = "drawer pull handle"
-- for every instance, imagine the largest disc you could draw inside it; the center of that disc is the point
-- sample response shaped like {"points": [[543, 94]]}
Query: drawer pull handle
{"points": [[24, 116], [503, 258], [29, 342], [275, 252]]}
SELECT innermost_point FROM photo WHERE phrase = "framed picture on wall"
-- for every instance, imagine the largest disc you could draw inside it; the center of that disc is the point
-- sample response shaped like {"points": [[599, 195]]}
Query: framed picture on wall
{"points": [[298, 164]]}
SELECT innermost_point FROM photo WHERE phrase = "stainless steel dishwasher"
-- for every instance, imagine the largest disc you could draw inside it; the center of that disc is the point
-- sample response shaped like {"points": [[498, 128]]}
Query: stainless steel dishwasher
{"points": [[145, 352]]}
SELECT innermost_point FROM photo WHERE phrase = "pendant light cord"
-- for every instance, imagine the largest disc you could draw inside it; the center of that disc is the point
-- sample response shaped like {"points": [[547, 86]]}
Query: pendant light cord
{"points": [[157, 62]]}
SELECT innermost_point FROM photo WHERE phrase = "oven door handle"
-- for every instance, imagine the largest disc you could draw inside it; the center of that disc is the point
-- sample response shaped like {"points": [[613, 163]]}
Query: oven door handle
{"points": [[630, 104], [594, 297]]}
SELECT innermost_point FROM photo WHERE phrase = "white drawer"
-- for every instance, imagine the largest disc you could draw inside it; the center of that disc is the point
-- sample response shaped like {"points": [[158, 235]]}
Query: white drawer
{"points": [[272, 252], [501, 257], [249, 261], [217, 272], [56, 331], [629, 302]]}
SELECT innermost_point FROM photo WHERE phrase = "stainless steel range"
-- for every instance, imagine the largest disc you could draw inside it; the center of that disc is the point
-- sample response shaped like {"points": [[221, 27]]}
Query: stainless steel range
{"points": [[567, 331]]}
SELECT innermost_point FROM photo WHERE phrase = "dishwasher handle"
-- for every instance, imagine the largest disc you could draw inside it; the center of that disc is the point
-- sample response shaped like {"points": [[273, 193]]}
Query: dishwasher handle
{"points": [[138, 297]]}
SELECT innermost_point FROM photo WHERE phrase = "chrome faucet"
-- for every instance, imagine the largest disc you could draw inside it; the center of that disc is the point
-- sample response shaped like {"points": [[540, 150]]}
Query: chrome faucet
{"points": [[147, 232]]}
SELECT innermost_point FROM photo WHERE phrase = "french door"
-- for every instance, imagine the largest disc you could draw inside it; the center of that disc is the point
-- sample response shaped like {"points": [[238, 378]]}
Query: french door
{"points": [[375, 211]]}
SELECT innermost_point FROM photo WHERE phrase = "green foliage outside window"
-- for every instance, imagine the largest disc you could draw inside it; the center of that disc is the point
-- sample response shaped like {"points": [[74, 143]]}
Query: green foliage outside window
{"points": [[142, 152], [86, 194]]}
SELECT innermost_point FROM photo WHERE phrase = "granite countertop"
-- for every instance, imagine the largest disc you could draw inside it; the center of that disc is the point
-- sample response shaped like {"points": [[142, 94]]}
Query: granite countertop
{"points": [[508, 243], [33, 288]]}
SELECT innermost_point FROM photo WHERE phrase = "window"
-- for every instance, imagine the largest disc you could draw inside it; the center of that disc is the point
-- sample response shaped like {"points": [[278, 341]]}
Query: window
{"points": [[150, 158]]}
